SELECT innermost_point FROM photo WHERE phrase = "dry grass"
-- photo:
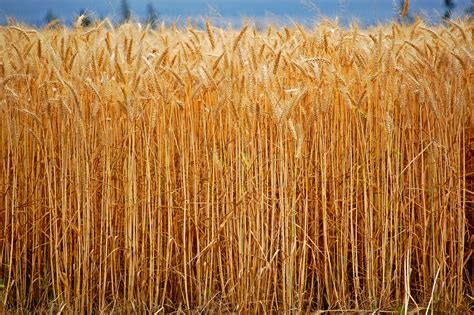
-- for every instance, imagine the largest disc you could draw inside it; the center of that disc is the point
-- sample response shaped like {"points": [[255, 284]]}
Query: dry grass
{"points": [[236, 171]]}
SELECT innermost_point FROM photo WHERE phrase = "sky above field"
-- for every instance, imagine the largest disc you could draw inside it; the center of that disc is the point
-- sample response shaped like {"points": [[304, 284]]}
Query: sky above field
{"points": [[365, 11]]}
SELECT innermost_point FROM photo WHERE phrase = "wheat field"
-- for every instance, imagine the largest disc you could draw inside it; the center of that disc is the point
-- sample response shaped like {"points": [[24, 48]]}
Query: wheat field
{"points": [[200, 169]]}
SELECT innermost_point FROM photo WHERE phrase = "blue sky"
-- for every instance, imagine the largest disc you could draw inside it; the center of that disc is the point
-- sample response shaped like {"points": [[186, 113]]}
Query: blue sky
{"points": [[366, 11]]}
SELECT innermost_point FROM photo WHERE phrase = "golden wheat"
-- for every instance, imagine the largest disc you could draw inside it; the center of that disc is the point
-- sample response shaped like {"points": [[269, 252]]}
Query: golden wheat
{"points": [[159, 170]]}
